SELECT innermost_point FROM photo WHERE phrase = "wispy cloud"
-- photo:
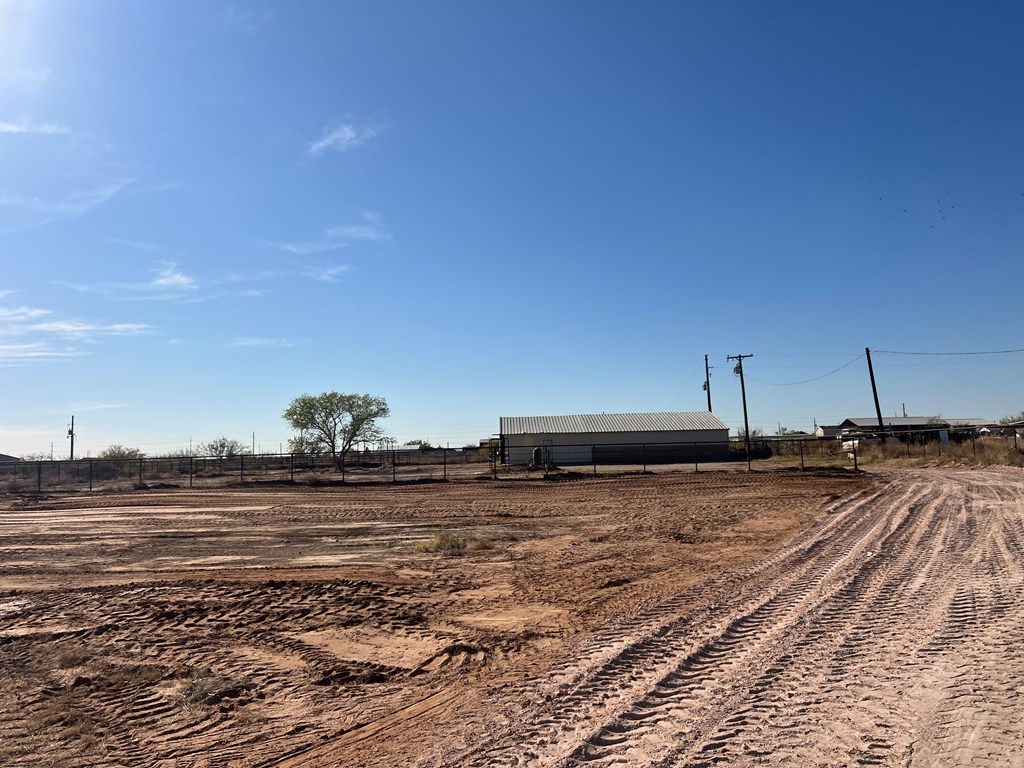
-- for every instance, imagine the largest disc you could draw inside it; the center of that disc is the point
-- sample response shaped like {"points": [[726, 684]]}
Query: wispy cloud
{"points": [[371, 230], [73, 329], [35, 335], [168, 284], [36, 211], [138, 245], [169, 186], [328, 274], [89, 407], [247, 20], [169, 277], [256, 341], [22, 76], [21, 314], [24, 125], [343, 137], [32, 353]]}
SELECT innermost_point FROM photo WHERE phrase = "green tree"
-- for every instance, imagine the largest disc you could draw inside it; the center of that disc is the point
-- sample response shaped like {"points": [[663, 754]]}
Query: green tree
{"points": [[334, 421], [222, 448], [305, 445]]}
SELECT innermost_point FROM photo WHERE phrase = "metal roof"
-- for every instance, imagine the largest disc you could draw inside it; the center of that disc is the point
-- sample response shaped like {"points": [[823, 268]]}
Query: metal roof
{"points": [[895, 421], [697, 421], [969, 423]]}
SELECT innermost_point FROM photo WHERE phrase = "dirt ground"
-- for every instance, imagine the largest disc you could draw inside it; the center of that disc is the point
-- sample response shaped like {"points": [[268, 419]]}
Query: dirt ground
{"points": [[775, 618]]}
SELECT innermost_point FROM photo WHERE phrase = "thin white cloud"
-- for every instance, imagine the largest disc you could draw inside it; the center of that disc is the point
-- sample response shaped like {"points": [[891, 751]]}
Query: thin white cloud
{"points": [[36, 211], [139, 245], [21, 314], [371, 230], [21, 76], [328, 274], [32, 353], [24, 125], [342, 137], [247, 20], [34, 335], [169, 283], [256, 341], [167, 187], [89, 407], [169, 277], [73, 329]]}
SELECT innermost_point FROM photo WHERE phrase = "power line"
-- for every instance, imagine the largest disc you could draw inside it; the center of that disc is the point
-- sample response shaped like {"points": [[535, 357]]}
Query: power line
{"points": [[808, 381], [994, 352]]}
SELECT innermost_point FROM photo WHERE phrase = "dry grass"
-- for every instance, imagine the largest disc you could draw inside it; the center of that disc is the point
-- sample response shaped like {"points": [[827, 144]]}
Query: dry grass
{"points": [[983, 452], [444, 543]]}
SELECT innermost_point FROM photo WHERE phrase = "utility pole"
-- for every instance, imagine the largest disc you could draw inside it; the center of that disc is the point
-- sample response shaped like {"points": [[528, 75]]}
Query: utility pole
{"points": [[874, 391], [707, 382], [743, 390], [71, 435]]}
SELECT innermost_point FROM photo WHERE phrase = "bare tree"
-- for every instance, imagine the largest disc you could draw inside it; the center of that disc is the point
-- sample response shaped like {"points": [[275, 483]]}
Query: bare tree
{"points": [[222, 448]]}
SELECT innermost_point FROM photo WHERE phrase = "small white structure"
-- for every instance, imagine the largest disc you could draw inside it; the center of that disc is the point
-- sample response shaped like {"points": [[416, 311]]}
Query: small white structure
{"points": [[614, 438]]}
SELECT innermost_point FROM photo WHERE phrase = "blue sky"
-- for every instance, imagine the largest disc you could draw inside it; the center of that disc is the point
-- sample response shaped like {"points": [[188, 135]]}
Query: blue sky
{"points": [[479, 209]]}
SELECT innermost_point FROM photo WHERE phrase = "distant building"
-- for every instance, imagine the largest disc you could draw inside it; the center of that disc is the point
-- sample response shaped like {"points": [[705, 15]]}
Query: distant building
{"points": [[906, 428], [5, 459], [918, 428], [614, 438]]}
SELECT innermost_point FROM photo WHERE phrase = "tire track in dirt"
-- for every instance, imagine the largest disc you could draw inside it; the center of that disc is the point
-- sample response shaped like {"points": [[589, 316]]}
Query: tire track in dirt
{"points": [[844, 649], [179, 678]]}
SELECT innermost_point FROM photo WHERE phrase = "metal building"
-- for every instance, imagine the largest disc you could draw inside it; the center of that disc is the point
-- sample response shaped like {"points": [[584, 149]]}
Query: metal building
{"points": [[614, 438]]}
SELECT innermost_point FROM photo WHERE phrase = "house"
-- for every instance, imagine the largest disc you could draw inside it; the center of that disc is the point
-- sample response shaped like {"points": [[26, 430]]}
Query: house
{"points": [[5, 459], [613, 438]]}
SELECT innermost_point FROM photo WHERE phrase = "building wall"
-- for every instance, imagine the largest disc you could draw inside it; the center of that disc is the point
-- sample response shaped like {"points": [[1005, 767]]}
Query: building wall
{"points": [[618, 447]]}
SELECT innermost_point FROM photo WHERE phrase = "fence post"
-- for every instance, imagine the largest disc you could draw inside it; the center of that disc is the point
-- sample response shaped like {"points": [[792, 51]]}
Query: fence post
{"points": [[394, 466], [855, 454], [802, 467], [241, 467], [696, 467], [444, 456], [191, 463], [643, 452], [593, 458], [343, 466], [90, 474], [140, 471], [39, 476]]}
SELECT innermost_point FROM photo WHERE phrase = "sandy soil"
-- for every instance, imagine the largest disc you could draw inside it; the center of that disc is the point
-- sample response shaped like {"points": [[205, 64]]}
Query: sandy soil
{"points": [[676, 619]]}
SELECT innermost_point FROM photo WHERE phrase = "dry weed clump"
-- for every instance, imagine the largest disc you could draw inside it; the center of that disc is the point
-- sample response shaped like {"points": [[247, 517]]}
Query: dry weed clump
{"points": [[452, 545], [205, 688]]}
